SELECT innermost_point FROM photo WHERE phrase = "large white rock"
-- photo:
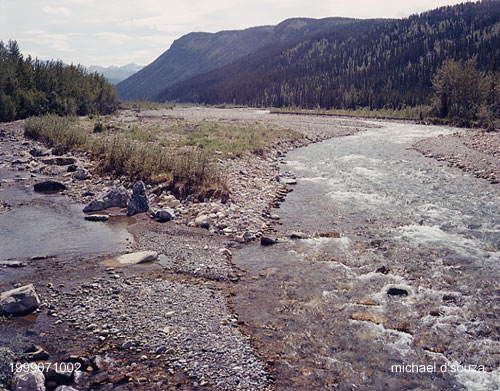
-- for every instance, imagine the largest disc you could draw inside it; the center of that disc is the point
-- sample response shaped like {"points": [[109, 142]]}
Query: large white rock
{"points": [[19, 300], [29, 380], [139, 257]]}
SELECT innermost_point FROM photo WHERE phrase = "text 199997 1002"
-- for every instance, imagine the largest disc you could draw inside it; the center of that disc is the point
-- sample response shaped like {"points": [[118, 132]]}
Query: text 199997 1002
{"points": [[45, 366]]}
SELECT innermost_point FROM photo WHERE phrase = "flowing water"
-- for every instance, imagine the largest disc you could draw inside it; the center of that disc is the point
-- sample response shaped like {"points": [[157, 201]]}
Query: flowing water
{"points": [[408, 297]]}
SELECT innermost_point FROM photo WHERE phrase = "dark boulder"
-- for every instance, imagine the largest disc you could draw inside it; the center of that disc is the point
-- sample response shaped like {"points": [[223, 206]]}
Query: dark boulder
{"points": [[49, 186]]}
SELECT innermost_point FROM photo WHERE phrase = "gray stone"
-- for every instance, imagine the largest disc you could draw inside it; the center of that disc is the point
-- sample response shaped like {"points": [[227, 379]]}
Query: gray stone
{"points": [[65, 388], [202, 221], [18, 301], [138, 257], [115, 197], [29, 380], [81, 174], [165, 214], [139, 202], [39, 152]]}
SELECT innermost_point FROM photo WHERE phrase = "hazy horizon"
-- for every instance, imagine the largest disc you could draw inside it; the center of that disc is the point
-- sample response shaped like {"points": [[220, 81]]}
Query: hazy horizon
{"points": [[112, 32]]}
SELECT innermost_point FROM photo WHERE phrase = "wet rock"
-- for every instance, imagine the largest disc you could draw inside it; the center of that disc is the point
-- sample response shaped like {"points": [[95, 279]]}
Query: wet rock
{"points": [[81, 174], [35, 353], [139, 201], [267, 241], [117, 197], [37, 152], [97, 217], [332, 235], [58, 377], [12, 263], [288, 178], [297, 235], [19, 301], [49, 186], [59, 161], [164, 215], [65, 388], [382, 270], [138, 257], [397, 292], [28, 380]]}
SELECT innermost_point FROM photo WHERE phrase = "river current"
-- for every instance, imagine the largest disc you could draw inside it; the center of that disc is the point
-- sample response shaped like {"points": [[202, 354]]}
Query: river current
{"points": [[408, 297]]}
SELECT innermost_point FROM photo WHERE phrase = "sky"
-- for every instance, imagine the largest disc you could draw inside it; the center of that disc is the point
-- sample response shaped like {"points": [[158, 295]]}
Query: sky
{"points": [[119, 32]]}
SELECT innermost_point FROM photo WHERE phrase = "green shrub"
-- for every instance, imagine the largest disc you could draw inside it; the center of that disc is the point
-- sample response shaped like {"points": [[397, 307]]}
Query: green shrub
{"points": [[54, 130]]}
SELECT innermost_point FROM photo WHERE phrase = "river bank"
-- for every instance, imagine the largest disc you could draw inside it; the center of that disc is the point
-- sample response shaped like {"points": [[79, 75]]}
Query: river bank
{"points": [[161, 324], [474, 151]]}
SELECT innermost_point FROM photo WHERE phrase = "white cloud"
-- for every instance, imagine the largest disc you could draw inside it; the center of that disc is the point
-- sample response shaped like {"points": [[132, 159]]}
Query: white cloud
{"points": [[114, 38], [58, 42], [116, 32], [58, 11]]}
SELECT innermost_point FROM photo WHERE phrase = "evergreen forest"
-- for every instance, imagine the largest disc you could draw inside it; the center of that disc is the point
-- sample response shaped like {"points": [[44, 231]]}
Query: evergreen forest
{"points": [[31, 87]]}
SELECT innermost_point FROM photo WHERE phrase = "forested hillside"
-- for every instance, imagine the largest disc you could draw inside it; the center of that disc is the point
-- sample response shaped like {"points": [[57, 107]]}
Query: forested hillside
{"points": [[32, 87], [198, 53], [389, 64]]}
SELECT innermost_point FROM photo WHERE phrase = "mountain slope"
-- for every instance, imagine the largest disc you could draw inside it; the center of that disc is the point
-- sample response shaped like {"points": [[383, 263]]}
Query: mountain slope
{"points": [[387, 64], [198, 53]]}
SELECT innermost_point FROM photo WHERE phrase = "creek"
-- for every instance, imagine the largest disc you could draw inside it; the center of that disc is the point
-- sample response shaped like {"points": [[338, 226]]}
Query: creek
{"points": [[408, 295]]}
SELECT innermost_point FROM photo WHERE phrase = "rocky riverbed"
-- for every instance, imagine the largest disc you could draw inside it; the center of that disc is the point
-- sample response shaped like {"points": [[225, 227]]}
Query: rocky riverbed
{"points": [[160, 324]]}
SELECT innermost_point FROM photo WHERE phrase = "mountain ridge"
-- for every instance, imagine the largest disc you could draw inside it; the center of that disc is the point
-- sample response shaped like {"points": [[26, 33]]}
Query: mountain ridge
{"points": [[198, 52], [387, 65], [115, 74]]}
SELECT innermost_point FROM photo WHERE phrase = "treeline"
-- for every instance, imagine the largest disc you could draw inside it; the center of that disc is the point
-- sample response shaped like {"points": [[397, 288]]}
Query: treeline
{"points": [[383, 64], [31, 87]]}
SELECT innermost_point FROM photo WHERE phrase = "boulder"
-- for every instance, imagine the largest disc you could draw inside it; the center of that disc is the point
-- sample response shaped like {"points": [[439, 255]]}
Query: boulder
{"points": [[29, 380], [202, 221], [115, 197], [36, 353], [165, 214], [37, 152], [19, 301], [49, 186], [266, 241], [138, 257], [81, 174], [65, 388], [139, 201]]}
